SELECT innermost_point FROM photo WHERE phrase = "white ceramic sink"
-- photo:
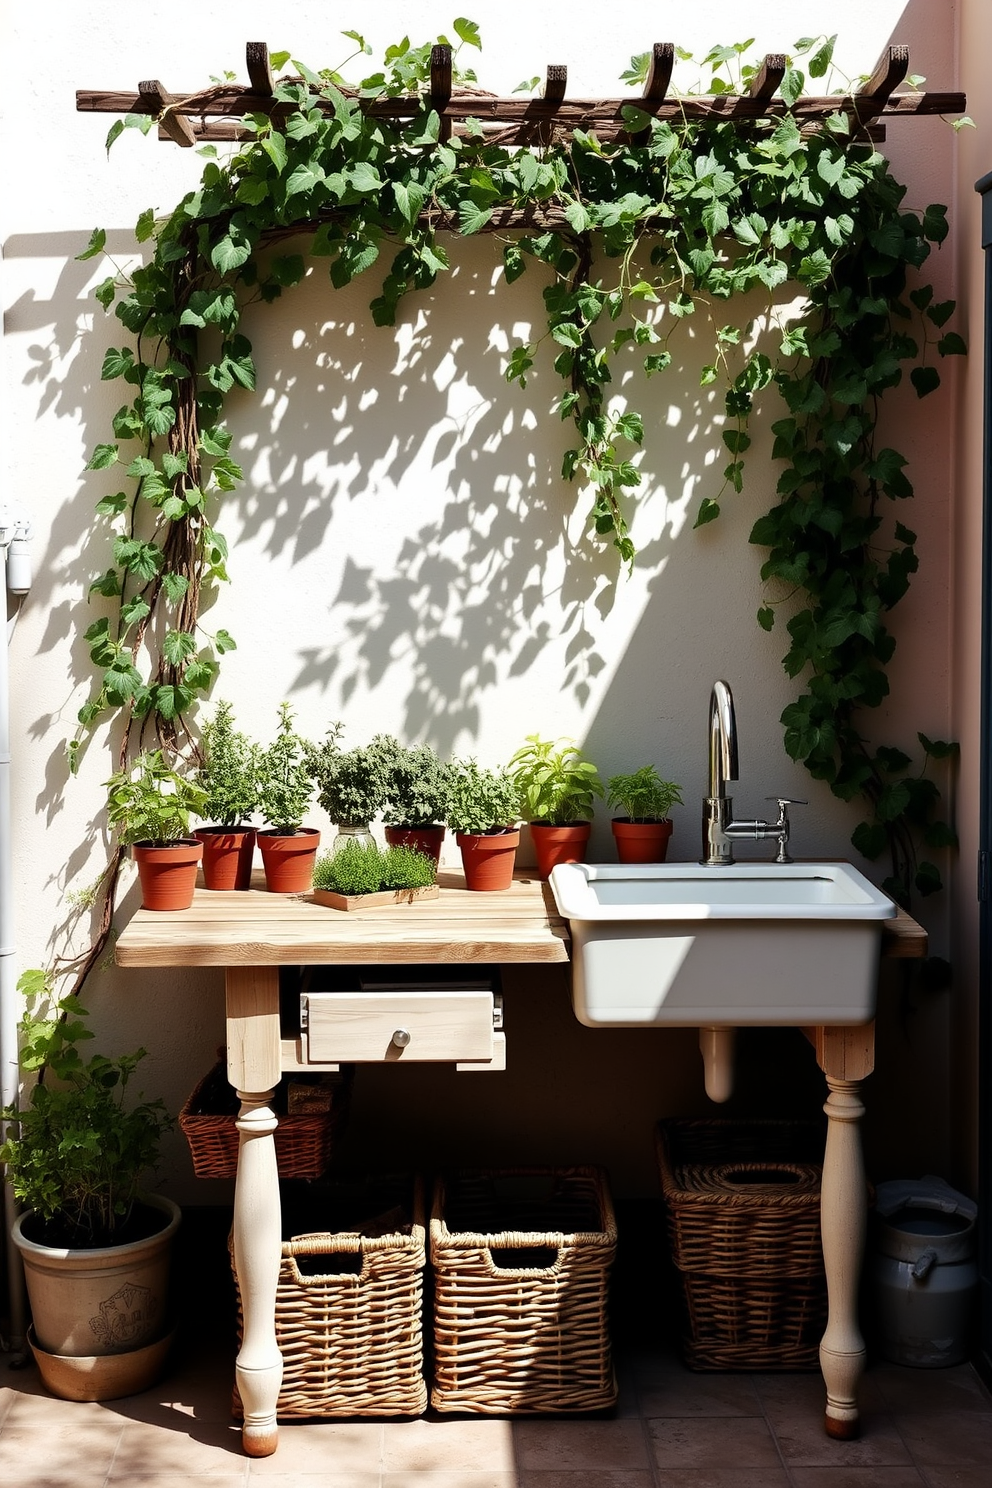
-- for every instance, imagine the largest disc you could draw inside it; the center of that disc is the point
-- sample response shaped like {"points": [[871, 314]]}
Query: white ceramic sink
{"points": [[752, 943]]}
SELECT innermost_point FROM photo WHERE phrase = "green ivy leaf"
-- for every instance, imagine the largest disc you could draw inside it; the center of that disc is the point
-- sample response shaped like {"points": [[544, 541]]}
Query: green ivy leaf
{"points": [[925, 380], [96, 244], [225, 642], [709, 510]]}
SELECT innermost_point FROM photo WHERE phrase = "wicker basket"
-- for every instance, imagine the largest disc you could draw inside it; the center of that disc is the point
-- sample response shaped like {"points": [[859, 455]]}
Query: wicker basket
{"points": [[743, 1212], [303, 1141], [521, 1262], [349, 1304]]}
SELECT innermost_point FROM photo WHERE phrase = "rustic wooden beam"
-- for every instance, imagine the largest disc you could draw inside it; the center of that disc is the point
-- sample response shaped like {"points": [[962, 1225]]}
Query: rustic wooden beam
{"points": [[769, 75], [173, 124], [440, 93], [890, 70], [555, 83], [259, 67], [659, 70]]}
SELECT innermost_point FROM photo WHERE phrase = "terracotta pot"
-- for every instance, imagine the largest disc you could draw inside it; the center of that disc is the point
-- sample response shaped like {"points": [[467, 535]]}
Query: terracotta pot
{"points": [[641, 842], [167, 874], [559, 844], [227, 856], [288, 861], [488, 859], [426, 840]]}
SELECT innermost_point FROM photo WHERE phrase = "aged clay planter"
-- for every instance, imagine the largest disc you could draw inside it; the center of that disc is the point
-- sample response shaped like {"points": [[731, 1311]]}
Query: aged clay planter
{"points": [[426, 840], [167, 874], [559, 844], [488, 859], [641, 842], [288, 861], [227, 856], [90, 1304]]}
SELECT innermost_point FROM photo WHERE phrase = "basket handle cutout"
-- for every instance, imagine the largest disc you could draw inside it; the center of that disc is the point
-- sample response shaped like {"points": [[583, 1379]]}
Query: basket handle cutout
{"points": [[525, 1257]]}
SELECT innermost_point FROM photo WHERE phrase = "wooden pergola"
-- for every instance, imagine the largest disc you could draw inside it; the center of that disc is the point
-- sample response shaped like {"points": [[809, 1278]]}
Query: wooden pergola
{"points": [[214, 114]]}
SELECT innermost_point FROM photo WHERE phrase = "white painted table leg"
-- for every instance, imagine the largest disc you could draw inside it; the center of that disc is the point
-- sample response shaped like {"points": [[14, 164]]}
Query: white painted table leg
{"points": [[253, 1068], [843, 1218], [257, 1245]]}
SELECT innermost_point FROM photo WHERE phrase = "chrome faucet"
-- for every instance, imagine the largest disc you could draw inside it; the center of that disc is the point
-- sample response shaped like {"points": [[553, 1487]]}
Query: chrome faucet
{"points": [[719, 828]]}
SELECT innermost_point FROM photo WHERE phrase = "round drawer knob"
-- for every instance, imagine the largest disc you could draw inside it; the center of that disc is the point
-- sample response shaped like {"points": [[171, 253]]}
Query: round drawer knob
{"points": [[401, 1038]]}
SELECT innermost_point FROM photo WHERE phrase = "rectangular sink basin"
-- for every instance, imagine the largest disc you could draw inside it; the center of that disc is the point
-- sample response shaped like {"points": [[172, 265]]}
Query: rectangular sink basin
{"points": [[681, 944]]}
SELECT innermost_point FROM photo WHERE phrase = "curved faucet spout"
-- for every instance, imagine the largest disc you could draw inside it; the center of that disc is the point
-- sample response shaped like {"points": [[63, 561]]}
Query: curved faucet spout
{"points": [[723, 739]]}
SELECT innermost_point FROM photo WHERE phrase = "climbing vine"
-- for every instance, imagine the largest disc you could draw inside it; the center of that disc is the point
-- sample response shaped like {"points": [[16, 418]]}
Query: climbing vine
{"points": [[632, 237]]}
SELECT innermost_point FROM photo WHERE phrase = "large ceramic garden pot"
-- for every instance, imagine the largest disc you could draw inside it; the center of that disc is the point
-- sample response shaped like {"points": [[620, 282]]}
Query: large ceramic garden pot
{"points": [[227, 856], [488, 859], [641, 842], [288, 859], [167, 874], [101, 1321], [559, 844], [426, 840]]}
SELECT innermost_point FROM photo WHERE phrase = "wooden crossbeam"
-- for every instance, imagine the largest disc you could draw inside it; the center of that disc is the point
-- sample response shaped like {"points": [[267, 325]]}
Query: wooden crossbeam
{"points": [[768, 77], [171, 124]]}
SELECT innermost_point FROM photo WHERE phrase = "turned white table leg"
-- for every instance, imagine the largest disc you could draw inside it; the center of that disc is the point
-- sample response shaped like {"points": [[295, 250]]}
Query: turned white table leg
{"points": [[843, 1217], [253, 1067]]}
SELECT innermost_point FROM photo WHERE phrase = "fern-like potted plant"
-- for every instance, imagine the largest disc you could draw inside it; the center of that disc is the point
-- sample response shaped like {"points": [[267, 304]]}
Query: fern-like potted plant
{"points": [[96, 1251], [228, 775], [482, 811], [418, 794], [285, 790], [557, 786], [352, 784], [643, 828], [362, 875], [149, 806]]}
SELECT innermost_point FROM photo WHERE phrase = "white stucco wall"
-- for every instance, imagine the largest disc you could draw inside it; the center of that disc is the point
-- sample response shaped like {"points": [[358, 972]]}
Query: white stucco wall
{"points": [[404, 554]]}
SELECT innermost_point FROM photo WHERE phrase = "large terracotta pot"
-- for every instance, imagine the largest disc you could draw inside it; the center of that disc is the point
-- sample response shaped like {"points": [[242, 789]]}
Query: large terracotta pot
{"points": [[426, 840], [559, 844], [167, 874], [90, 1303], [227, 856], [641, 842], [288, 860], [488, 859]]}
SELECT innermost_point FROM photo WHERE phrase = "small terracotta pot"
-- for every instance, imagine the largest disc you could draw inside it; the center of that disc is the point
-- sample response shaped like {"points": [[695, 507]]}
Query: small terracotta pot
{"points": [[227, 856], [426, 840], [288, 861], [488, 859], [559, 844], [641, 842], [167, 874]]}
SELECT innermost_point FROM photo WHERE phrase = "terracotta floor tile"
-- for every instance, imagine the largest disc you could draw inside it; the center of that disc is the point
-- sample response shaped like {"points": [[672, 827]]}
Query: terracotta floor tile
{"points": [[948, 1438], [443, 1478], [724, 1477], [596, 1478], [319, 1479], [804, 1443], [680, 1393], [857, 1477], [38, 1456], [794, 1397], [564, 1446], [958, 1477], [448, 1445], [324, 1447], [915, 1391], [184, 1448], [712, 1442]]}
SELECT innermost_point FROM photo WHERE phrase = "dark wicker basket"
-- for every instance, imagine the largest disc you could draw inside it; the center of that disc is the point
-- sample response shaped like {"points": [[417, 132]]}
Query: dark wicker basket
{"points": [[743, 1213], [303, 1141]]}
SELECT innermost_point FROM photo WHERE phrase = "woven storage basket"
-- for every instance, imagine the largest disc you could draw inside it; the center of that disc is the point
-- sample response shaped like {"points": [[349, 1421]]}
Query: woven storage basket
{"points": [[521, 1261], [349, 1305], [303, 1142], [743, 1214]]}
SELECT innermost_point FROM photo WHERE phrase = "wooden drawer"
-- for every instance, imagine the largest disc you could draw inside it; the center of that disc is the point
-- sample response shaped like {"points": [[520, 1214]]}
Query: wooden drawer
{"points": [[346, 1027]]}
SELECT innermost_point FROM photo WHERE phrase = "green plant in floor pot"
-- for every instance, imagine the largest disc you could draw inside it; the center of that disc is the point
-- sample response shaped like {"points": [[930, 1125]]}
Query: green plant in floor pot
{"points": [[149, 806], [96, 1251], [483, 811], [417, 799], [228, 775], [643, 829], [557, 786], [285, 790]]}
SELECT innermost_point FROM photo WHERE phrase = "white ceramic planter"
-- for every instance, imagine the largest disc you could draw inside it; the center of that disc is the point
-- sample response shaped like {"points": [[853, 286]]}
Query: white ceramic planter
{"points": [[96, 1302]]}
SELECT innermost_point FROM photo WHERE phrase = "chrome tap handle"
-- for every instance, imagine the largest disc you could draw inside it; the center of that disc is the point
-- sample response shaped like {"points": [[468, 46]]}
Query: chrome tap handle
{"points": [[782, 826]]}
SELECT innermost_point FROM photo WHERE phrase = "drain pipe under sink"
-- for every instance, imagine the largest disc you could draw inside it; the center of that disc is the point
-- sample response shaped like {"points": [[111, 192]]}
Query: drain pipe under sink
{"points": [[716, 1045]]}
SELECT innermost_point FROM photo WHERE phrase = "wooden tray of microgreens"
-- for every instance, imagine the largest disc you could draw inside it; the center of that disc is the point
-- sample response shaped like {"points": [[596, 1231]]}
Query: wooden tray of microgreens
{"points": [[367, 877]]}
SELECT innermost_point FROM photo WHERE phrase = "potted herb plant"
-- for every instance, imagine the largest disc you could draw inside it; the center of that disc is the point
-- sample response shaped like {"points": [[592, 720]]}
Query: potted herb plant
{"points": [[643, 828], [285, 789], [417, 800], [482, 811], [149, 806], [557, 786], [352, 784], [363, 875], [96, 1251], [229, 778]]}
